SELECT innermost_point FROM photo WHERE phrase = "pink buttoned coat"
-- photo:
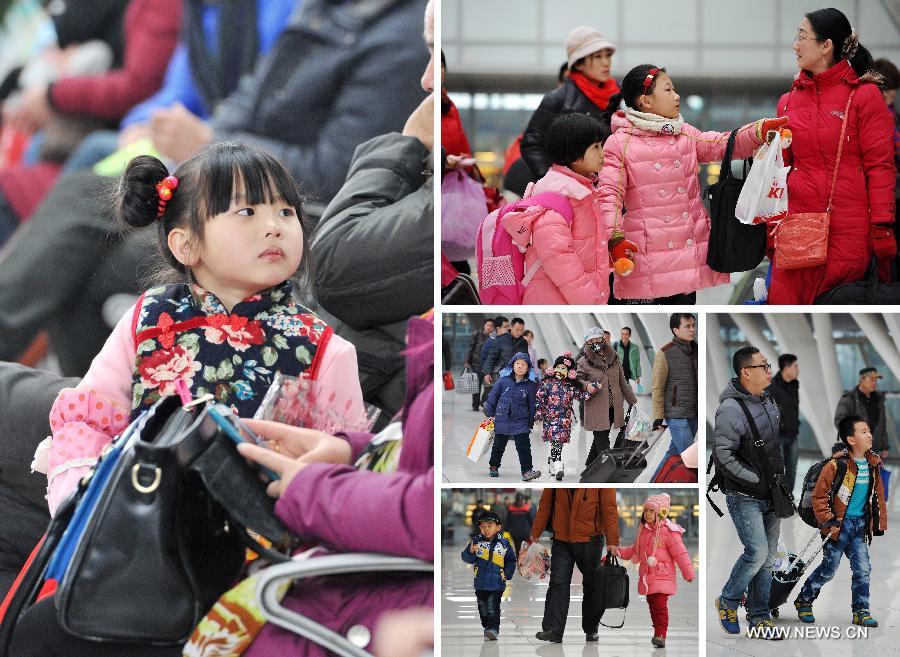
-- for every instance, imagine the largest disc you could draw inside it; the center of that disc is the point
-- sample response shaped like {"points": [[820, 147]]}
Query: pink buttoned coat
{"points": [[574, 260], [654, 176], [667, 549]]}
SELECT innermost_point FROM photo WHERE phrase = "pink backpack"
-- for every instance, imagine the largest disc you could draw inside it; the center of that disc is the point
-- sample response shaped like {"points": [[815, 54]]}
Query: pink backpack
{"points": [[501, 264]]}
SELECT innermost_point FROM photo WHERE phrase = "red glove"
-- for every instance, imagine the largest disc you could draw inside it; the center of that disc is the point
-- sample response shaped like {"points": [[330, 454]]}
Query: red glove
{"points": [[620, 253], [765, 125], [883, 241]]}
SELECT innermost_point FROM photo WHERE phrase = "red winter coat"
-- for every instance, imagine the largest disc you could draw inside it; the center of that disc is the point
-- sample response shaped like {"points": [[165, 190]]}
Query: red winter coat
{"points": [[864, 191], [151, 33], [453, 136]]}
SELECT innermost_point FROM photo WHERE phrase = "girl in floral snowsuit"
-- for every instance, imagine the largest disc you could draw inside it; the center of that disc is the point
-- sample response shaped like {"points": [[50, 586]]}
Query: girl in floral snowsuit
{"points": [[554, 402], [232, 237]]}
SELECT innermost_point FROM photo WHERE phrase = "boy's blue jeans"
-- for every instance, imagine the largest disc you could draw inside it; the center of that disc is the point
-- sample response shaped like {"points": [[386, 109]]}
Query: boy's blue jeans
{"points": [[852, 542], [489, 609], [758, 529], [523, 447], [683, 431]]}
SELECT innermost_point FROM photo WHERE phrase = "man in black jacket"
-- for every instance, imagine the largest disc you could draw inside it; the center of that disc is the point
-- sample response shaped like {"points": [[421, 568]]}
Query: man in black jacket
{"points": [[785, 388], [865, 400], [503, 348], [473, 357]]}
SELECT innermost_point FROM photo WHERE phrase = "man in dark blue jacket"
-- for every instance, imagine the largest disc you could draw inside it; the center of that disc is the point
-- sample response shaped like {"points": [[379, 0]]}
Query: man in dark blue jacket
{"points": [[512, 405], [498, 351], [495, 564]]}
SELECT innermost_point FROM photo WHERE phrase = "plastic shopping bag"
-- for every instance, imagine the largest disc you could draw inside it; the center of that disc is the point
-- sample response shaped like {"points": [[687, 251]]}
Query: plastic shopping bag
{"points": [[639, 426], [467, 382], [764, 196], [533, 561], [481, 440], [463, 207]]}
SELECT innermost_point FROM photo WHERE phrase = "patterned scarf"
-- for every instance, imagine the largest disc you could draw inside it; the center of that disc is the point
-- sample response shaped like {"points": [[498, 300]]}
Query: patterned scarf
{"points": [[654, 122]]}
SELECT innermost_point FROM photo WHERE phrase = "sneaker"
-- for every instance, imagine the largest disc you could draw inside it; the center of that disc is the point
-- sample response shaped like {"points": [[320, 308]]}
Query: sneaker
{"points": [[531, 475], [494, 472], [491, 635], [727, 618], [764, 628], [592, 637], [863, 618], [804, 610], [549, 636], [658, 641]]}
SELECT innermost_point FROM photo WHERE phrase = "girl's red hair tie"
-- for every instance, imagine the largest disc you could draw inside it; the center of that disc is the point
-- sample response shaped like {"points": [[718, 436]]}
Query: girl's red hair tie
{"points": [[648, 81], [164, 189]]}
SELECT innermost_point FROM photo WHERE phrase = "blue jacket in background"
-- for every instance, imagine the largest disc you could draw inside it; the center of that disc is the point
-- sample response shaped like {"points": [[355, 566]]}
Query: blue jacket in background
{"points": [[512, 403], [179, 86], [495, 562]]}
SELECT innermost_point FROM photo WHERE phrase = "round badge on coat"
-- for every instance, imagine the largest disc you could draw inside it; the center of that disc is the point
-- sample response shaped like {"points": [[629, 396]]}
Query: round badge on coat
{"points": [[668, 129]]}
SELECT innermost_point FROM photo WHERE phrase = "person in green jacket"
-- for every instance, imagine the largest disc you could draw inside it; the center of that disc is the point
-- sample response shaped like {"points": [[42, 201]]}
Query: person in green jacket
{"points": [[631, 364]]}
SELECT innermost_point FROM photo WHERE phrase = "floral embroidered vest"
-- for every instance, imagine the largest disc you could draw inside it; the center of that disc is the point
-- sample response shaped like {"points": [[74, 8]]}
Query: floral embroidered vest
{"points": [[184, 332]]}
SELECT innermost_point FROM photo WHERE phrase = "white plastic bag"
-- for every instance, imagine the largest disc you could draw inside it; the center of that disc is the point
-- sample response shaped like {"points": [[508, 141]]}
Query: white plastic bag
{"points": [[639, 425], [764, 196], [481, 440], [533, 562]]}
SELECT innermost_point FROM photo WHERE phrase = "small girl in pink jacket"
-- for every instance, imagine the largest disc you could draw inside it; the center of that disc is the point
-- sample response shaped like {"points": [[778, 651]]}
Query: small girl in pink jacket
{"points": [[232, 237], [649, 187], [567, 263], [657, 549]]}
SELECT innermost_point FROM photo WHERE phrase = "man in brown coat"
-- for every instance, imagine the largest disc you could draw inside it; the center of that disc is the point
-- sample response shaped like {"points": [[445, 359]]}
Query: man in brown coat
{"points": [[580, 519], [605, 410]]}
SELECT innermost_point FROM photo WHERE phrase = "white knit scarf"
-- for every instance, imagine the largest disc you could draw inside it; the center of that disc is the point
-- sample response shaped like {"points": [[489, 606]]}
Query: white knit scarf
{"points": [[654, 122]]}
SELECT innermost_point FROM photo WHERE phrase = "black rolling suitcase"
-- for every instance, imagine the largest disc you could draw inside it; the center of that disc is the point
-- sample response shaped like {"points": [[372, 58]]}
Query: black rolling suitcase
{"points": [[784, 581], [619, 465]]}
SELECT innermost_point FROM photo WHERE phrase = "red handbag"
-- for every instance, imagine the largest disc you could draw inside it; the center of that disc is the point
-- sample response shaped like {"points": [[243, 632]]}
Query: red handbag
{"points": [[801, 239], [448, 381]]}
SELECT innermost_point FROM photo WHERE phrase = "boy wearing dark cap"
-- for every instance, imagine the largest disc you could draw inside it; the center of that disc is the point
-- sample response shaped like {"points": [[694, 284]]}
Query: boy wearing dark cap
{"points": [[495, 563]]}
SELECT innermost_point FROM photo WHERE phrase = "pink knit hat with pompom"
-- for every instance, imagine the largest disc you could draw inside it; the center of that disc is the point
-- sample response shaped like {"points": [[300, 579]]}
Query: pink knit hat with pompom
{"points": [[657, 502]]}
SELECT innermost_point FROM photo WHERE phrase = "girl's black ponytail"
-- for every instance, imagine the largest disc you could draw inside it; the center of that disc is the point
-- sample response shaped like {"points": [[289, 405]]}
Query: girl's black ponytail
{"points": [[862, 61], [614, 101], [137, 199]]}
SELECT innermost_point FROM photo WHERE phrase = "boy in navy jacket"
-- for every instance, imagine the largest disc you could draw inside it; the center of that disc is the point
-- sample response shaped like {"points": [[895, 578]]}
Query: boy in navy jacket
{"points": [[511, 403], [495, 563]]}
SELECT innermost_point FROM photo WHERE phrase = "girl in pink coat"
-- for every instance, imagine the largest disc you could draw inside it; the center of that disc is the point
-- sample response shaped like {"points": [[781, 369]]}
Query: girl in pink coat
{"points": [[566, 263], [649, 187], [657, 549]]}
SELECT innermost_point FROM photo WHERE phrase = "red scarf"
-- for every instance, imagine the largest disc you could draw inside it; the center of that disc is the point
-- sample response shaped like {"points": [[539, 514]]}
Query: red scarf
{"points": [[597, 94]]}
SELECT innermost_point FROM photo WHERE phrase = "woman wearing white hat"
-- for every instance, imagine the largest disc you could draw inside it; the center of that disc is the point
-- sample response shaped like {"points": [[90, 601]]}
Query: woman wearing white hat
{"points": [[587, 91]]}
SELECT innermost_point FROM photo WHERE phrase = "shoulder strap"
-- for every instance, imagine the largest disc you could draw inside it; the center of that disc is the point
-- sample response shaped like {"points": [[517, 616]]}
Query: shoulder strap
{"points": [[726, 159], [837, 161], [760, 451], [549, 200]]}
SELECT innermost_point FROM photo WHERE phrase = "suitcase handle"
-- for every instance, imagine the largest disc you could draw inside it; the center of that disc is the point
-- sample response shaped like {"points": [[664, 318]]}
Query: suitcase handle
{"points": [[641, 444]]}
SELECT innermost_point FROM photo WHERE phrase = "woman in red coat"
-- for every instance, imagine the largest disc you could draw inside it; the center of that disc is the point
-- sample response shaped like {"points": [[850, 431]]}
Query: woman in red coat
{"points": [[832, 63]]}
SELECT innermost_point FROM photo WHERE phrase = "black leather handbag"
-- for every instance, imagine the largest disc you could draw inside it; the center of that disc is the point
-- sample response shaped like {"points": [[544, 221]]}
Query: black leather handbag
{"points": [[869, 291], [733, 245], [166, 535], [611, 588]]}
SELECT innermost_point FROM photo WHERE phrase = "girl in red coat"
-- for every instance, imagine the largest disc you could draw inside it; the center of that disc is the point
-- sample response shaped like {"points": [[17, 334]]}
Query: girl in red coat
{"points": [[657, 549], [832, 64]]}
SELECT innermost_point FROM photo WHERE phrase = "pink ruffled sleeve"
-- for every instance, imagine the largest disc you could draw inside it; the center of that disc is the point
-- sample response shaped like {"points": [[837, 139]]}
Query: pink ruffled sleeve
{"points": [[86, 418]]}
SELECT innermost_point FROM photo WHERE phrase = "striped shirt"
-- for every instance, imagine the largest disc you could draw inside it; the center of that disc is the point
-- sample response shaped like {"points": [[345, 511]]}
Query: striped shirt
{"points": [[857, 505]]}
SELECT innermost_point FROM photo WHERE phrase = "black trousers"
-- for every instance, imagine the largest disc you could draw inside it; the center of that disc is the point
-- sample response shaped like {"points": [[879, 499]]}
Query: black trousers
{"points": [[601, 440], [489, 609], [38, 634], [477, 398], [563, 559]]}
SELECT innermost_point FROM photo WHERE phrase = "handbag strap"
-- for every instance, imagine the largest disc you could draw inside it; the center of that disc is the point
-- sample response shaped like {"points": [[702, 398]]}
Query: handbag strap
{"points": [[726, 159], [840, 150], [758, 444]]}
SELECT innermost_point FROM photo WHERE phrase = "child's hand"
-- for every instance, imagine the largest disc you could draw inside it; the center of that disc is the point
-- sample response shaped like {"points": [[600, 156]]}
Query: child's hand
{"points": [[473, 548], [307, 445]]}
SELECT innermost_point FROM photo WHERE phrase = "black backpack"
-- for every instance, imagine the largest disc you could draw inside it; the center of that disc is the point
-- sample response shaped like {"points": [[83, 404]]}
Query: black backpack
{"points": [[804, 508], [733, 246], [716, 482]]}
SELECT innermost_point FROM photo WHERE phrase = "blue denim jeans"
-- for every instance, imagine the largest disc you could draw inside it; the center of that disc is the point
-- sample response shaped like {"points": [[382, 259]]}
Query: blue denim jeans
{"points": [[790, 452], [523, 447], [489, 609], [683, 432], [758, 529], [852, 542]]}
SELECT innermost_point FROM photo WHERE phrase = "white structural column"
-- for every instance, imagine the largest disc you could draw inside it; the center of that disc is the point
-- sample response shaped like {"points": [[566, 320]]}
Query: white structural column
{"points": [[893, 323], [754, 335], [878, 336], [657, 325], [831, 375], [794, 336], [718, 371]]}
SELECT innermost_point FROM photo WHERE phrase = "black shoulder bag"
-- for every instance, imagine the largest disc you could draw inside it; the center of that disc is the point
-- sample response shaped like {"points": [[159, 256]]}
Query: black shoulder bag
{"points": [[782, 499], [733, 245]]}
